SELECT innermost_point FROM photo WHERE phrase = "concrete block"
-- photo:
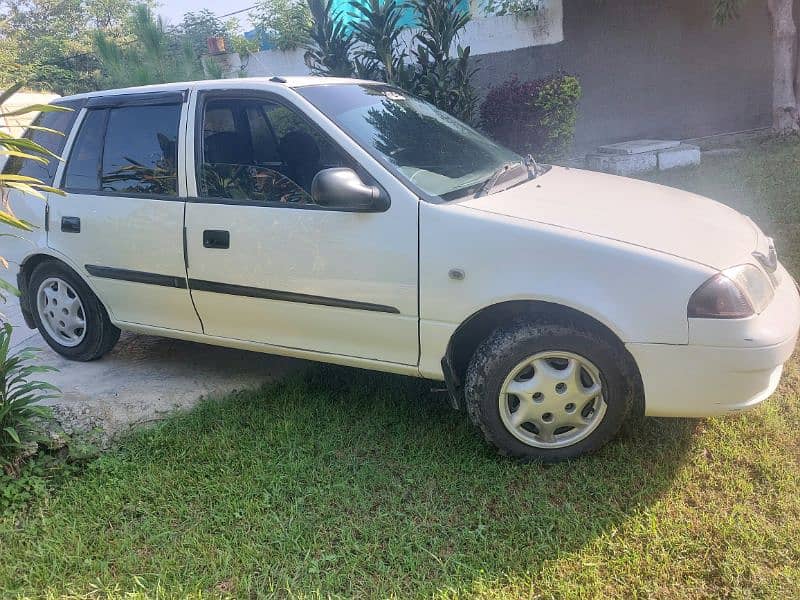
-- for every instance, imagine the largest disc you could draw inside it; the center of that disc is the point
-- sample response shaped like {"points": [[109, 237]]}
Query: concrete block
{"points": [[684, 155], [638, 146], [622, 164]]}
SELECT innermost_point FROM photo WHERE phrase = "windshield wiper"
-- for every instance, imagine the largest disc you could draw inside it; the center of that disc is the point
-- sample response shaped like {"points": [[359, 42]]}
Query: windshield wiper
{"points": [[527, 163]]}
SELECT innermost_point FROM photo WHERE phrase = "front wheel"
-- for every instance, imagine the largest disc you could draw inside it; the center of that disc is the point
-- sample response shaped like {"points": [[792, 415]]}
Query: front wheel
{"points": [[546, 391]]}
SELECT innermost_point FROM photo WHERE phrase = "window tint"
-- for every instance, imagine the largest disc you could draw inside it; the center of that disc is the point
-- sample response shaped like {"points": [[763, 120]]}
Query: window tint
{"points": [[271, 154], [141, 150], [265, 146], [83, 167], [59, 121]]}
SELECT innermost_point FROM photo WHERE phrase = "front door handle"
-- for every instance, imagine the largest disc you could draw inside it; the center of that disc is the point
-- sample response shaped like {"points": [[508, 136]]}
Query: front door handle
{"points": [[217, 239]]}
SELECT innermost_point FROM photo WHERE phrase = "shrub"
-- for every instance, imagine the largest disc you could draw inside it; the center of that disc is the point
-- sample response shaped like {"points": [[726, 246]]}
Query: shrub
{"points": [[18, 398], [536, 117]]}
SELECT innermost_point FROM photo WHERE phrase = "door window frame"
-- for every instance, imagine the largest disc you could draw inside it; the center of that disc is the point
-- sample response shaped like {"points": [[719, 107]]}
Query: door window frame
{"points": [[108, 103], [194, 159]]}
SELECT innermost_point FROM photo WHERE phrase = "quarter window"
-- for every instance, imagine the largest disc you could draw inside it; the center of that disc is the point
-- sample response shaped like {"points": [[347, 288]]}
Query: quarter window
{"points": [[127, 150], [60, 121], [83, 168]]}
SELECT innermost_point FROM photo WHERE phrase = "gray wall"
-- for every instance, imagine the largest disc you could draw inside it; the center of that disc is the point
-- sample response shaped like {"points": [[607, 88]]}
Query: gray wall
{"points": [[653, 68]]}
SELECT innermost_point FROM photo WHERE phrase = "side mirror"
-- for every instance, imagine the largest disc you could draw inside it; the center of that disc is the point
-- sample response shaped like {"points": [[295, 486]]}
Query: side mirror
{"points": [[343, 188]]}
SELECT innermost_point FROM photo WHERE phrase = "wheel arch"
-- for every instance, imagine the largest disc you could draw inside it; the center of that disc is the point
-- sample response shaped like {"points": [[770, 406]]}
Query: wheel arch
{"points": [[478, 326], [26, 268]]}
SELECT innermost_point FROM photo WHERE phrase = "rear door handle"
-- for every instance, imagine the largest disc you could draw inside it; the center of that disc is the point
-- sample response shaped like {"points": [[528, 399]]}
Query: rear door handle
{"points": [[71, 224], [217, 239]]}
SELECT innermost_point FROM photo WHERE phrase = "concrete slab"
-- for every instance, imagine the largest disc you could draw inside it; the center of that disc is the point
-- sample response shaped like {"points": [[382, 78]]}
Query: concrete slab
{"points": [[638, 146], [685, 155], [144, 379], [622, 164]]}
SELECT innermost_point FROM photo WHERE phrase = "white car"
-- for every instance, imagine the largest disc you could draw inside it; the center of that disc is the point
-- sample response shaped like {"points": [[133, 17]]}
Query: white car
{"points": [[345, 221]]}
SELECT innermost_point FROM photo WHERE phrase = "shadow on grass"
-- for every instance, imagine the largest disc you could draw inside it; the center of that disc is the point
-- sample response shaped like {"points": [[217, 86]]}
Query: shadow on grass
{"points": [[337, 481]]}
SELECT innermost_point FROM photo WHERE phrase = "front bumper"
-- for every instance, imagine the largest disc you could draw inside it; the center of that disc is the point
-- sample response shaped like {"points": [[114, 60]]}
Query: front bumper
{"points": [[706, 378]]}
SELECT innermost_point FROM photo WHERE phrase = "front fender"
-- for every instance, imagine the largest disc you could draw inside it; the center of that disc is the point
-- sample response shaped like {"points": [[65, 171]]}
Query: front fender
{"points": [[639, 294]]}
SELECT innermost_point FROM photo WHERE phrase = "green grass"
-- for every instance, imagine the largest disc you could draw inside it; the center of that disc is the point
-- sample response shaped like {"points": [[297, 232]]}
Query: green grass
{"points": [[353, 484]]}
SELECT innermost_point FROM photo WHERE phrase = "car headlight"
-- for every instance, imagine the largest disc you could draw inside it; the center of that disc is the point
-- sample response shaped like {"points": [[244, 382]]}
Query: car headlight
{"points": [[736, 293]]}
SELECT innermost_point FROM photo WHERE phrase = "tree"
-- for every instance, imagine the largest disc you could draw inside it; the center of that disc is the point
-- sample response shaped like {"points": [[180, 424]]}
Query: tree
{"points": [[785, 72], [48, 43], [154, 56], [285, 23]]}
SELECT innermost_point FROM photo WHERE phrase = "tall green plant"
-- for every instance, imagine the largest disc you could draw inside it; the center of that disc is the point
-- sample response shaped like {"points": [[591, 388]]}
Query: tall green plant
{"points": [[443, 77], [19, 397], [377, 29], [21, 148], [329, 42], [154, 57]]}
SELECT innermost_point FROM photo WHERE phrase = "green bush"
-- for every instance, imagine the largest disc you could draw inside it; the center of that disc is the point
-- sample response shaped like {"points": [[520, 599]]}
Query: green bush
{"points": [[536, 117], [19, 396]]}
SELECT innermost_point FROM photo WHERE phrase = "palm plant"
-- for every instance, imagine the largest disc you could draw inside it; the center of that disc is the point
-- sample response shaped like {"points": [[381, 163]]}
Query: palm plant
{"points": [[377, 30], [22, 148], [19, 397], [442, 79], [330, 42]]}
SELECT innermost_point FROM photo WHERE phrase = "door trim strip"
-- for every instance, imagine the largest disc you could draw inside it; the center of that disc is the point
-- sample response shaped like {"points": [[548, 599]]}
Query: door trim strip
{"points": [[201, 285], [136, 276]]}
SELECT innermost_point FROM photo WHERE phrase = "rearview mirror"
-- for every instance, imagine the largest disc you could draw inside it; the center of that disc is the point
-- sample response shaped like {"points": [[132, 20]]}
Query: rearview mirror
{"points": [[342, 188]]}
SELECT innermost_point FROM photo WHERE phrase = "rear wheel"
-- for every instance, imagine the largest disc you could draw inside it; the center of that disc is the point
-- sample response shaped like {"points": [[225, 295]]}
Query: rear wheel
{"points": [[547, 391], [69, 316]]}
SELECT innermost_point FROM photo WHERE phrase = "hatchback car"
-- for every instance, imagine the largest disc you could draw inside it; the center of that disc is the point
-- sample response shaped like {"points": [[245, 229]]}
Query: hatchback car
{"points": [[349, 222]]}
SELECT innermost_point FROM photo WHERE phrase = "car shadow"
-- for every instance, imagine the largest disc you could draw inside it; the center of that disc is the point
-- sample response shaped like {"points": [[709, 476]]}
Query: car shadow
{"points": [[452, 515]]}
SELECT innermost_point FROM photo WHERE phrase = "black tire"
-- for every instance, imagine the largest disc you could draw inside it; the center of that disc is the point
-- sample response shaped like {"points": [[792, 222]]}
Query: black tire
{"points": [[502, 351], [100, 336]]}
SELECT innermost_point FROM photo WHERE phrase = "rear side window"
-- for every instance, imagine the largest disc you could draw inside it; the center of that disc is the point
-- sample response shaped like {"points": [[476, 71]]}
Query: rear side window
{"points": [[60, 121], [130, 150]]}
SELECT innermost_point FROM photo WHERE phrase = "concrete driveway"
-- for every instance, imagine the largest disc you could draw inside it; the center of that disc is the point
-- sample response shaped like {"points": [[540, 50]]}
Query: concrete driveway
{"points": [[143, 379]]}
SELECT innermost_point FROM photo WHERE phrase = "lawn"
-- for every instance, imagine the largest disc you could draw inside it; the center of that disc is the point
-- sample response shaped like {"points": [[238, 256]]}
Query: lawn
{"points": [[351, 484]]}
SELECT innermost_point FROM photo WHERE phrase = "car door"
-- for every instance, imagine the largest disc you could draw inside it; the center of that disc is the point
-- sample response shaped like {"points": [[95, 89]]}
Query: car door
{"points": [[268, 265], [121, 222]]}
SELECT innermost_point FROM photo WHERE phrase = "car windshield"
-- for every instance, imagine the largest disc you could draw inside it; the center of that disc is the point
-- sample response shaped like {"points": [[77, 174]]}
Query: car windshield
{"points": [[433, 150]]}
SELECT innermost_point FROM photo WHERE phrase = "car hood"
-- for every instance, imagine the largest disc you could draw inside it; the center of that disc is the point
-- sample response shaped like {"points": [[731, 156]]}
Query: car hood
{"points": [[631, 211]]}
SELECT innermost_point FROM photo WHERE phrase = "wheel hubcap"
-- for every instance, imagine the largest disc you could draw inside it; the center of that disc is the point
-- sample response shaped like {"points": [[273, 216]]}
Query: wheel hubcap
{"points": [[61, 312], [552, 400]]}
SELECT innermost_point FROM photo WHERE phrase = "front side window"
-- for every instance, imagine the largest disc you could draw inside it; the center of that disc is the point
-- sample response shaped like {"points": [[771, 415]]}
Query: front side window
{"points": [[435, 151], [260, 152], [130, 150]]}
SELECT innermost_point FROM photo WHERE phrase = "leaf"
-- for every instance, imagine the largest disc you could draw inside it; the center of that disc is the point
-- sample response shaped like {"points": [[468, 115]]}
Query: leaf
{"points": [[18, 154], [13, 221], [12, 177], [12, 433], [25, 188], [45, 129], [10, 92], [37, 108], [4, 285]]}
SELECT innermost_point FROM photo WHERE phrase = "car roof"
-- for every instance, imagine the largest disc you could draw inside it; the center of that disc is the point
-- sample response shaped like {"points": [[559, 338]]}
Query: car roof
{"points": [[242, 82]]}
